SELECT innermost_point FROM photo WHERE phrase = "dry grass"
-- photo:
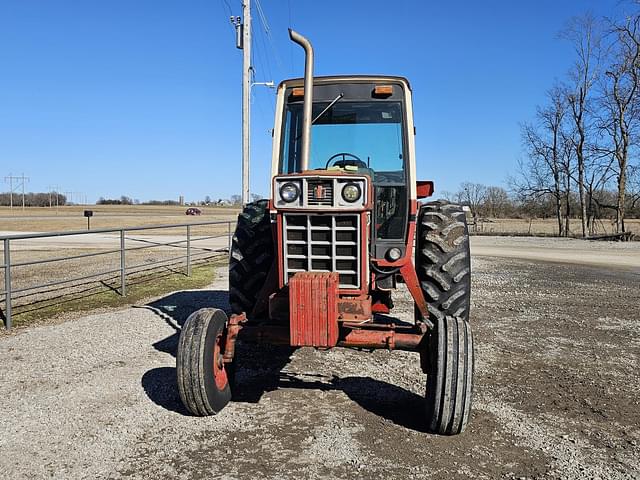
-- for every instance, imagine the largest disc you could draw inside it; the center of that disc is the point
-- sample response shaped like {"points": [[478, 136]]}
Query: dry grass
{"points": [[545, 226], [37, 219], [99, 291], [104, 294]]}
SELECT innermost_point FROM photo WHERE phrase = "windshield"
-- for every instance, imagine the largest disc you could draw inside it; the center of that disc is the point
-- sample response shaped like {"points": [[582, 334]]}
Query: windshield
{"points": [[362, 134]]}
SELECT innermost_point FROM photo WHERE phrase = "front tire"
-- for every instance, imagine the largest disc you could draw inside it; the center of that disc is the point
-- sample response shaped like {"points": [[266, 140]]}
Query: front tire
{"points": [[450, 378], [203, 380]]}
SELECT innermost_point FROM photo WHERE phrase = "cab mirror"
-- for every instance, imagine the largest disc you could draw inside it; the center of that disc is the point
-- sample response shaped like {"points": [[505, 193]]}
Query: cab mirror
{"points": [[424, 188]]}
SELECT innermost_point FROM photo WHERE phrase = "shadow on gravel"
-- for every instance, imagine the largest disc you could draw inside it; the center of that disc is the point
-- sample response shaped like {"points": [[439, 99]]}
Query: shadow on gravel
{"points": [[259, 369], [174, 309], [388, 401], [160, 386], [259, 366]]}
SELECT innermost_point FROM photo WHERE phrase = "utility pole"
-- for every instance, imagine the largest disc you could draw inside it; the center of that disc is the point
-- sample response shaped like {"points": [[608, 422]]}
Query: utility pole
{"points": [[50, 188], [70, 196], [54, 189], [10, 179], [77, 196], [246, 98], [243, 41], [22, 181]]}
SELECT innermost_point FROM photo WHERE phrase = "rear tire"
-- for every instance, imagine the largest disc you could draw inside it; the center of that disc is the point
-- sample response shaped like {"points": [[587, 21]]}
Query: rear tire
{"points": [[450, 379], [203, 380], [251, 256], [443, 260]]}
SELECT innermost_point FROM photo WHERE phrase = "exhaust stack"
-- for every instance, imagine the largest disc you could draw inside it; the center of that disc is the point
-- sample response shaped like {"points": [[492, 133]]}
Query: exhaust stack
{"points": [[308, 96]]}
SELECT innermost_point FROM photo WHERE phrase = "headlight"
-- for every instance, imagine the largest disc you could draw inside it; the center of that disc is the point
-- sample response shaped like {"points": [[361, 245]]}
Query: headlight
{"points": [[351, 192], [289, 192], [394, 254]]}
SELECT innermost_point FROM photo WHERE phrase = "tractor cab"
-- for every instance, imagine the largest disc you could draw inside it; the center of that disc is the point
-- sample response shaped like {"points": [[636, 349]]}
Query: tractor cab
{"points": [[361, 126]]}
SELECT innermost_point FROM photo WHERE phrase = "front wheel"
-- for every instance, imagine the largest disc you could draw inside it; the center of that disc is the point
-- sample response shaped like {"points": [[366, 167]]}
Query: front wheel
{"points": [[203, 378], [450, 376]]}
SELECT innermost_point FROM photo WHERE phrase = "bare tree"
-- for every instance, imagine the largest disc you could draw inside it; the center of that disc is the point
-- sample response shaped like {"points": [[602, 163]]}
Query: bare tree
{"points": [[567, 164], [634, 187], [447, 195], [496, 202], [583, 32], [620, 102], [547, 164], [599, 172], [473, 195]]}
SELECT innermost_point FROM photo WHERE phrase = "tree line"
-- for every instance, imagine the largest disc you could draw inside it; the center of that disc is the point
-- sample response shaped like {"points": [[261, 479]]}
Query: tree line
{"points": [[32, 199], [581, 148], [487, 201], [234, 200]]}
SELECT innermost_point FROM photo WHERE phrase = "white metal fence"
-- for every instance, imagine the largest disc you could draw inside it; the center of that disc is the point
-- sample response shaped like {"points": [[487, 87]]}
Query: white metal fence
{"points": [[186, 245]]}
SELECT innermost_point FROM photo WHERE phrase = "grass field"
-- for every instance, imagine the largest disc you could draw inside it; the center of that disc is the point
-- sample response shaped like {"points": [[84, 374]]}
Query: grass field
{"points": [[115, 216], [548, 226], [66, 301], [37, 219]]}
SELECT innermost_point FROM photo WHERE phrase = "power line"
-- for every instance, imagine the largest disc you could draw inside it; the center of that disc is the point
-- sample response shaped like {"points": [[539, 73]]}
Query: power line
{"points": [[267, 31], [226, 2], [20, 183], [77, 194], [222, 5]]}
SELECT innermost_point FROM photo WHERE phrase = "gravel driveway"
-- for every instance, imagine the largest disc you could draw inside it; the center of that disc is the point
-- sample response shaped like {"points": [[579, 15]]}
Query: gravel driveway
{"points": [[557, 393]]}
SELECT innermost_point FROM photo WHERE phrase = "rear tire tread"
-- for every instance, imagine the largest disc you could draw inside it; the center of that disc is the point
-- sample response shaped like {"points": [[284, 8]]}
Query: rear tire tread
{"points": [[443, 263], [251, 256]]}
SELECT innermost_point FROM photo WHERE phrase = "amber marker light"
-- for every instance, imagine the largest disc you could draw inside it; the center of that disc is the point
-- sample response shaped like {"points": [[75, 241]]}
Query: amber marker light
{"points": [[383, 90]]}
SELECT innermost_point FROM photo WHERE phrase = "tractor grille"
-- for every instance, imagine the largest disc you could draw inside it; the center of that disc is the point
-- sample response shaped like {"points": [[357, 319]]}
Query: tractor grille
{"points": [[320, 192], [323, 243]]}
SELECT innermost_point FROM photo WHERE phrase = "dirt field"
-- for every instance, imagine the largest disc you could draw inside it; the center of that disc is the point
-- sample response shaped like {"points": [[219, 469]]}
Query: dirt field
{"points": [[557, 392]]}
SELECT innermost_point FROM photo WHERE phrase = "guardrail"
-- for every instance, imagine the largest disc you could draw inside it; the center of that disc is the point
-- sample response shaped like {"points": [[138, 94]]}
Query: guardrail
{"points": [[8, 293]]}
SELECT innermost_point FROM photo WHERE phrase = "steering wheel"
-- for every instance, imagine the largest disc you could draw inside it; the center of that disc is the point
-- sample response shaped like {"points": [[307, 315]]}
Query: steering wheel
{"points": [[353, 160]]}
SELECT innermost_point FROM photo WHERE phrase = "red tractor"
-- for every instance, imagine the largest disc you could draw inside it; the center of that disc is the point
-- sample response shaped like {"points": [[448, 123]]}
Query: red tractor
{"points": [[316, 264]]}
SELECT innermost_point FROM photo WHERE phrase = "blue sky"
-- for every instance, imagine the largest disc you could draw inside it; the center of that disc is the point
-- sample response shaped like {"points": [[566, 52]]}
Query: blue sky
{"points": [[142, 97]]}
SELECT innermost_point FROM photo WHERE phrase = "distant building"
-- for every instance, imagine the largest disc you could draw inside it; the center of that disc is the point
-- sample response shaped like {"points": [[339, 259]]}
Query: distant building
{"points": [[181, 200]]}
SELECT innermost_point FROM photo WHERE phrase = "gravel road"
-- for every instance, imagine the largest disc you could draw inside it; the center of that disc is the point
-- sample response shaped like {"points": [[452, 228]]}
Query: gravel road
{"points": [[557, 393], [563, 250]]}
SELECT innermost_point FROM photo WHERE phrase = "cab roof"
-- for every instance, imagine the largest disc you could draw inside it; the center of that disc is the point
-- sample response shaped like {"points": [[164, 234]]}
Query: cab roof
{"points": [[328, 80]]}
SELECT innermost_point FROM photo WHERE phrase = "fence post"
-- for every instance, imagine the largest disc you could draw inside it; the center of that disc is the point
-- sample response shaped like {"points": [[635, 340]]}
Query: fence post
{"points": [[7, 284], [123, 266], [229, 237], [188, 250]]}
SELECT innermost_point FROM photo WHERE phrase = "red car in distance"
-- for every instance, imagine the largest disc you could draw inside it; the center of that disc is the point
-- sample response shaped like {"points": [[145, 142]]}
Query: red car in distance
{"points": [[193, 211]]}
